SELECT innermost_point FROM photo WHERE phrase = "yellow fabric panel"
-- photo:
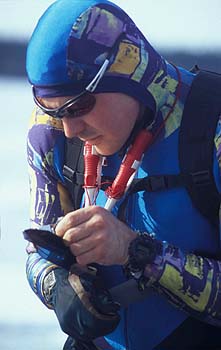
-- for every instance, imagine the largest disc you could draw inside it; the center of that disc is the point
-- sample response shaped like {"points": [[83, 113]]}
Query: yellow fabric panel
{"points": [[38, 118], [127, 59], [194, 265], [172, 281]]}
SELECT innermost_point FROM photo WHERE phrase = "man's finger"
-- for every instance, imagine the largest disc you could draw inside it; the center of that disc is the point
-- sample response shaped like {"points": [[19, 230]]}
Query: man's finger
{"points": [[73, 219]]}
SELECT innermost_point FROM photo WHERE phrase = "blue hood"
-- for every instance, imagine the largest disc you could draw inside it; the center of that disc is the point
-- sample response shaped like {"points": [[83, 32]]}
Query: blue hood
{"points": [[72, 40]]}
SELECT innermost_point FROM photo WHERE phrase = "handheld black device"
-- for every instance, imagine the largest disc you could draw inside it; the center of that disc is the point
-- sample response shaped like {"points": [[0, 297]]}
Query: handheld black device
{"points": [[50, 247]]}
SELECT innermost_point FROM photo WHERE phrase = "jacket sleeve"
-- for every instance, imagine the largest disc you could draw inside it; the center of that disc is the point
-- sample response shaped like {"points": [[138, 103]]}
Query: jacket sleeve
{"points": [[48, 197], [190, 282]]}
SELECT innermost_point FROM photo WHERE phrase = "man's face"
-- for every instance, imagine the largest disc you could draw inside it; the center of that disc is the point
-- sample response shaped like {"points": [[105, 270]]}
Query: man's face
{"points": [[107, 125]]}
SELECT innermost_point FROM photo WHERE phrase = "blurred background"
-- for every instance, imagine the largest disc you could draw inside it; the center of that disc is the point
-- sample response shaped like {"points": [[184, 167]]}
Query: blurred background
{"points": [[185, 33]]}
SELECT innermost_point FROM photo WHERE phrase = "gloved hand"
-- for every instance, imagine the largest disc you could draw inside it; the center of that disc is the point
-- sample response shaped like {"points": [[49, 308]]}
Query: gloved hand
{"points": [[84, 308]]}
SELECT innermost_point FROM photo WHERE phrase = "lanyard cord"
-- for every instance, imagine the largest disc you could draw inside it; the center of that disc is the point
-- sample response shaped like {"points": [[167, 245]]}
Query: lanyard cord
{"points": [[129, 165]]}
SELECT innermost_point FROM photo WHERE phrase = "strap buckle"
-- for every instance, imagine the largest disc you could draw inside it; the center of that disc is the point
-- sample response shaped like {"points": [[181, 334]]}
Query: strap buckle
{"points": [[68, 173], [201, 178], [73, 176], [157, 183]]}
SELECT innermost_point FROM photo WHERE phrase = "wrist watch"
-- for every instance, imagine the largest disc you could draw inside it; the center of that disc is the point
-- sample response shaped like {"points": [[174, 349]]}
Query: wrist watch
{"points": [[142, 251]]}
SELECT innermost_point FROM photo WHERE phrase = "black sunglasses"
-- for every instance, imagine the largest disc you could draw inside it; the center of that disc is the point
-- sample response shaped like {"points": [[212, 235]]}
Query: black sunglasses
{"points": [[80, 104]]}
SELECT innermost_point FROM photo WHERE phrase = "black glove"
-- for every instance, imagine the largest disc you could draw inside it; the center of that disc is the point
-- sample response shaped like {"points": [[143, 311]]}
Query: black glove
{"points": [[84, 308]]}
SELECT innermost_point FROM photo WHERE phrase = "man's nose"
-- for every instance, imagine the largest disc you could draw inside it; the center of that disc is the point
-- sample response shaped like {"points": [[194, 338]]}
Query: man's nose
{"points": [[73, 127]]}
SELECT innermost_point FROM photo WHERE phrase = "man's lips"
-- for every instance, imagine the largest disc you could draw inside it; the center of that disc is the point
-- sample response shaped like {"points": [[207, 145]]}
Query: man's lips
{"points": [[91, 141]]}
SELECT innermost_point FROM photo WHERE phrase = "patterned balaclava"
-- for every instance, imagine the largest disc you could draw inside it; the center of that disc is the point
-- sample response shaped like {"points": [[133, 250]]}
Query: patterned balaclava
{"points": [[72, 40]]}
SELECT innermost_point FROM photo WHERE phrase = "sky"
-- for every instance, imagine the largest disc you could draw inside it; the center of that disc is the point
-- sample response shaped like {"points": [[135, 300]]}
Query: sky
{"points": [[190, 24]]}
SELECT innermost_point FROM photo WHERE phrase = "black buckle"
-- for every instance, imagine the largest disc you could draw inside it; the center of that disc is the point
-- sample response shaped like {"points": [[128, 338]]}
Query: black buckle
{"points": [[201, 178], [69, 173], [73, 176], [156, 183]]}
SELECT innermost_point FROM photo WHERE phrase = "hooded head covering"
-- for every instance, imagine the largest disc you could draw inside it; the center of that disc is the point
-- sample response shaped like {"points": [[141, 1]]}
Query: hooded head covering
{"points": [[72, 40]]}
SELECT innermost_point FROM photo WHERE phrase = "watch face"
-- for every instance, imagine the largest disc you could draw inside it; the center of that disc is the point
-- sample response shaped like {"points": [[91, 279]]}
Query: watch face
{"points": [[142, 251], [143, 254]]}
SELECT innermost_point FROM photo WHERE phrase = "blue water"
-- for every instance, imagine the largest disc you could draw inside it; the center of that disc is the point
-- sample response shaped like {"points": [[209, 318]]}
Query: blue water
{"points": [[25, 324]]}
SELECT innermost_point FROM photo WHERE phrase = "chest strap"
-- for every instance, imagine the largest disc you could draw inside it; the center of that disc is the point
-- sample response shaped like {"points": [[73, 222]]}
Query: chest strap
{"points": [[73, 170]]}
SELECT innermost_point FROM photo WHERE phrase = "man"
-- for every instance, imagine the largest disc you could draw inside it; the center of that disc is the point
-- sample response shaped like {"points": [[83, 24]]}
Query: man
{"points": [[96, 77]]}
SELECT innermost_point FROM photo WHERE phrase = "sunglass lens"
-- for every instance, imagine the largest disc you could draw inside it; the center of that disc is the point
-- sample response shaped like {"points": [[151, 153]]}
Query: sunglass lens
{"points": [[80, 107]]}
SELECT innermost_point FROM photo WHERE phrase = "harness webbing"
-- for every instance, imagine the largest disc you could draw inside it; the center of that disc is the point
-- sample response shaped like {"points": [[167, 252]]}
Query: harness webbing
{"points": [[73, 169], [196, 143]]}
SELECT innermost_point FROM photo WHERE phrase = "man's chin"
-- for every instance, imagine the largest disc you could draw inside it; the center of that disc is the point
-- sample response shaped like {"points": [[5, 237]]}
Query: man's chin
{"points": [[104, 150]]}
